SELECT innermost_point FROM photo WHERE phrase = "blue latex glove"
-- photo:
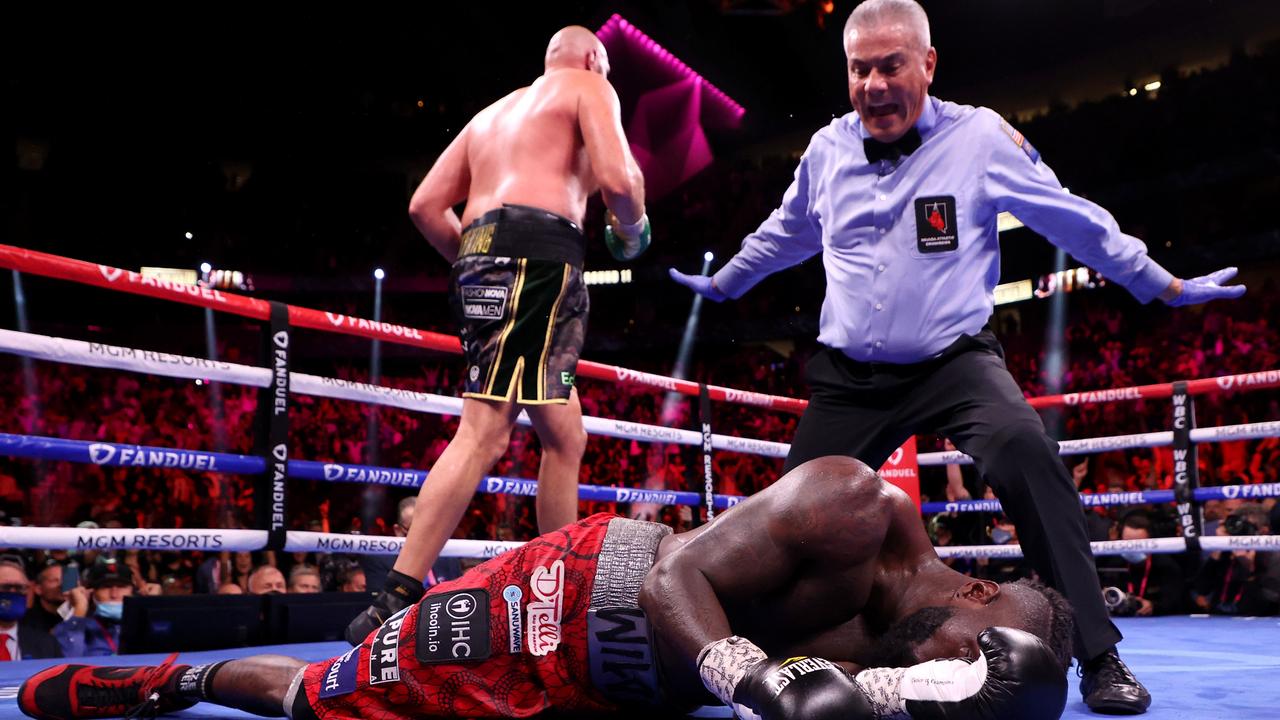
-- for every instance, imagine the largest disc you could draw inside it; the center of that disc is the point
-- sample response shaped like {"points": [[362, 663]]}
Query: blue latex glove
{"points": [[700, 284], [1208, 287]]}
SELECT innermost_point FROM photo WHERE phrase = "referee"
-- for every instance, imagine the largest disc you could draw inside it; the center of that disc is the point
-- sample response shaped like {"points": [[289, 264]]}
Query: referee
{"points": [[901, 197]]}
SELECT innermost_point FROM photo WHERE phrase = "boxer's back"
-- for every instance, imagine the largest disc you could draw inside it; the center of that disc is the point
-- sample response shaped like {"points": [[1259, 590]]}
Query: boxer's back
{"points": [[527, 148]]}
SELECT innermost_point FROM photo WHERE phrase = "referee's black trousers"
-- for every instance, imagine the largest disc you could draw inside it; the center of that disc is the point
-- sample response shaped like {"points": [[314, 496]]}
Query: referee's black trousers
{"points": [[867, 410]]}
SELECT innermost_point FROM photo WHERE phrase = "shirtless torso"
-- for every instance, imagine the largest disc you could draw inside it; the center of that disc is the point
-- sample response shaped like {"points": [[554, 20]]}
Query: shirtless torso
{"points": [[550, 145]]}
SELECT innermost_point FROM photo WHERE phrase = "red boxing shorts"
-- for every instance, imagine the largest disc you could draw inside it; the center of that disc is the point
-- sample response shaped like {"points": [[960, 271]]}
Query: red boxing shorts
{"points": [[531, 630]]}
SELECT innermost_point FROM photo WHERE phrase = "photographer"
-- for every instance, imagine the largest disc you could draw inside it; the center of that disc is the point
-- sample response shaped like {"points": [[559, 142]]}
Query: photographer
{"points": [[1240, 582], [1138, 583]]}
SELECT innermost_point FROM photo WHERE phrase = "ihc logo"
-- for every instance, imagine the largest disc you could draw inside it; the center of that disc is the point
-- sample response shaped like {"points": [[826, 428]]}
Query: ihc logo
{"points": [[461, 607]]}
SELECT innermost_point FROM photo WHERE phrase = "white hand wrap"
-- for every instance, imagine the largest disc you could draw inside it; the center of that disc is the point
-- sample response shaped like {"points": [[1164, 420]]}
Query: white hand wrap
{"points": [[632, 231], [883, 687], [723, 663]]}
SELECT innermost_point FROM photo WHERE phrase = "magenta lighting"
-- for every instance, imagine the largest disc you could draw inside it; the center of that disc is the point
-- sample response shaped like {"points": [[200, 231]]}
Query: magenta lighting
{"points": [[616, 29]]}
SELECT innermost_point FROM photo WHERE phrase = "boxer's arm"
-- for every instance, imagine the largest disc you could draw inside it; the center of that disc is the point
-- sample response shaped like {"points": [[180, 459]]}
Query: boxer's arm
{"points": [[446, 185], [614, 167]]}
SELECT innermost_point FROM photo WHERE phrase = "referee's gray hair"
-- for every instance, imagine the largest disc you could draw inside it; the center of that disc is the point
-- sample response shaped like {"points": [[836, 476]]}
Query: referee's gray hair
{"points": [[882, 12]]}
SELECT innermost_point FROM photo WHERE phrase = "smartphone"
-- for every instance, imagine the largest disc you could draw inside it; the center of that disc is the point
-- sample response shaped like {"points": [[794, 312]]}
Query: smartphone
{"points": [[70, 577]]}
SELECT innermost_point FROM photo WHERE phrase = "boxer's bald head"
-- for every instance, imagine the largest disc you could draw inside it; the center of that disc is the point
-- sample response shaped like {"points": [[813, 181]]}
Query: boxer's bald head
{"points": [[577, 47]]}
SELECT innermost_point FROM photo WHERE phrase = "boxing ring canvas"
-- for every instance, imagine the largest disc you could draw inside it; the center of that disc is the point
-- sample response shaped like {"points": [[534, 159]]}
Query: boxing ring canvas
{"points": [[1195, 667]]}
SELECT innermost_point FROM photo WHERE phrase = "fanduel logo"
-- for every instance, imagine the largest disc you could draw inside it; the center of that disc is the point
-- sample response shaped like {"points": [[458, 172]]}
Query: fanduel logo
{"points": [[510, 487], [645, 496], [101, 454], [1268, 377], [896, 457], [110, 273]]}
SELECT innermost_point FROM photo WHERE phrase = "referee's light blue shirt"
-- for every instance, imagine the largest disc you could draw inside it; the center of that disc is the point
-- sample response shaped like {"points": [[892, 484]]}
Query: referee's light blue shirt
{"points": [[898, 290]]}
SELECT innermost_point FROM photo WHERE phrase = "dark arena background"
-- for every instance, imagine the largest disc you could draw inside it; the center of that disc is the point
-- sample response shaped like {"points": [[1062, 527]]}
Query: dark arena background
{"points": [[179, 173]]}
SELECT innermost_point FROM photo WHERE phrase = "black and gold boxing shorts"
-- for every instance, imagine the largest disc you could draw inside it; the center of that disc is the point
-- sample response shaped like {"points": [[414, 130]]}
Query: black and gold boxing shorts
{"points": [[518, 296]]}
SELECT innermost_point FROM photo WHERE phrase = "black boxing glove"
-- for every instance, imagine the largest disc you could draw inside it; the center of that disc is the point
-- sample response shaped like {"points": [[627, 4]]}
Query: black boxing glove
{"points": [[761, 688], [1017, 677], [399, 592], [801, 688]]}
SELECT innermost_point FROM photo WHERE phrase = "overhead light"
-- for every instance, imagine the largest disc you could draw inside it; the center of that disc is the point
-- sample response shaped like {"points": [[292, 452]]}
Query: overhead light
{"points": [[1133, 91], [188, 235], [708, 256], [206, 268], [378, 274], [1152, 86]]}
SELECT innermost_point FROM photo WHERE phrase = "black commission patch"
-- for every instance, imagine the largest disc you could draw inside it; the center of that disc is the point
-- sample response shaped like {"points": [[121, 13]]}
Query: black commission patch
{"points": [[454, 627], [936, 224], [384, 651]]}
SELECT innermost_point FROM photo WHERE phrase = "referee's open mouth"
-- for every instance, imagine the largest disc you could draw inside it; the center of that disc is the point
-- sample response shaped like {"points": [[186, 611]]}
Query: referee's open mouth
{"points": [[878, 111]]}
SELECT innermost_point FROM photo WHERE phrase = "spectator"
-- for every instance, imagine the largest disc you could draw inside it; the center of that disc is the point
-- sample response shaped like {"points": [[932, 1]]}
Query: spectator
{"points": [[50, 601], [97, 608], [376, 567], [19, 640], [264, 580], [1154, 581], [304, 579], [1240, 582], [230, 589], [352, 580]]}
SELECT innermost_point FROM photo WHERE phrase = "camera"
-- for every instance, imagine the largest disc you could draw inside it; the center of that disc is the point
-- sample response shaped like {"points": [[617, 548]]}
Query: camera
{"points": [[1239, 525], [1120, 603]]}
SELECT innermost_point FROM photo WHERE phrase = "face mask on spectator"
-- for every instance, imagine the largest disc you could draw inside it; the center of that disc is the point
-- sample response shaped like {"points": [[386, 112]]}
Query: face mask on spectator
{"points": [[1133, 558], [110, 610], [13, 605], [1000, 536]]}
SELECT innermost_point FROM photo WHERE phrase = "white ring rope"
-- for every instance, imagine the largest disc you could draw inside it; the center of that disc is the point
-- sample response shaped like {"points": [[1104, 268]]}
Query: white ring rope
{"points": [[170, 540], [102, 355], [78, 539], [1214, 543], [1222, 433]]}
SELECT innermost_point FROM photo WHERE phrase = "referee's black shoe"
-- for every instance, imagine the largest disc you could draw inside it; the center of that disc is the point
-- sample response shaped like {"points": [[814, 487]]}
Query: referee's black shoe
{"points": [[1109, 687]]}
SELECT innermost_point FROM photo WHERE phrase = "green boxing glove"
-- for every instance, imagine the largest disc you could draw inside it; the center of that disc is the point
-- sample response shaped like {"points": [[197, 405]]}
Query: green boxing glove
{"points": [[626, 242]]}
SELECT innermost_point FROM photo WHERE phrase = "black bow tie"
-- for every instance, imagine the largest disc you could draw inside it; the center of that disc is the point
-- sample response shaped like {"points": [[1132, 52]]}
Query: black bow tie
{"points": [[903, 146]]}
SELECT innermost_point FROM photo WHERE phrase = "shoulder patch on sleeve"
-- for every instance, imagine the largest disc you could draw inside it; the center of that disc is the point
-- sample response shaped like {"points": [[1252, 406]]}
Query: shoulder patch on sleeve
{"points": [[1021, 141]]}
